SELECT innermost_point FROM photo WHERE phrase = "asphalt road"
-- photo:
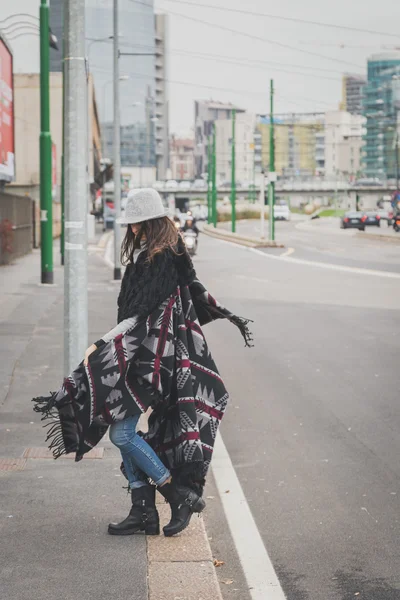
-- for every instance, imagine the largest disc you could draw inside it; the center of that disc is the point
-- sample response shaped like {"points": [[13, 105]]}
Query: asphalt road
{"points": [[314, 420], [323, 240]]}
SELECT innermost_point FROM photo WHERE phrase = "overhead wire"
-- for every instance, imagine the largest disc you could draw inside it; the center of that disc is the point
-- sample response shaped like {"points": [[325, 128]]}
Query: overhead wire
{"points": [[254, 37], [221, 89], [284, 18], [184, 51]]}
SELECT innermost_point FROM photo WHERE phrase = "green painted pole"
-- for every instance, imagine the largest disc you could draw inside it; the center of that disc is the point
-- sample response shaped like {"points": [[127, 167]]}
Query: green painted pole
{"points": [[233, 172], [46, 201], [214, 179], [62, 237], [209, 181], [271, 185]]}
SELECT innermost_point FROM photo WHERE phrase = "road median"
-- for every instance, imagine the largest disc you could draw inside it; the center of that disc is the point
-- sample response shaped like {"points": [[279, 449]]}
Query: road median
{"points": [[393, 238], [242, 240]]}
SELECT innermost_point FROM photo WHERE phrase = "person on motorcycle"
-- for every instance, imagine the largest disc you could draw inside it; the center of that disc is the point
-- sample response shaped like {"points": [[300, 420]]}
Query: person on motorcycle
{"points": [[190, 225]]}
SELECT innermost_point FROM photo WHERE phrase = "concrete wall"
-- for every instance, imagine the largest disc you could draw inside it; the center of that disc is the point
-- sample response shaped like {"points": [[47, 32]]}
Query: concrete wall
{"points": [[27, 127]]}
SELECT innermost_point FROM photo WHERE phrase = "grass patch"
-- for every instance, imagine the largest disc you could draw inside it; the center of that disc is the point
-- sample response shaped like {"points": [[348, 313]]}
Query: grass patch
{"points": [[331, 212], [240, 214]]}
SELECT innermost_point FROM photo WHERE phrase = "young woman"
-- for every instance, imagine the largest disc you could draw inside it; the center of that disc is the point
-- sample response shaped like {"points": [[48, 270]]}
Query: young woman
{"points": [[156, 357]]}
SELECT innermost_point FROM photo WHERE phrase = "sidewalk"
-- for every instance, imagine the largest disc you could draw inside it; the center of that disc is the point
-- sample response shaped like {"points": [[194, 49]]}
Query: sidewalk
{"points": [[54, 514]]}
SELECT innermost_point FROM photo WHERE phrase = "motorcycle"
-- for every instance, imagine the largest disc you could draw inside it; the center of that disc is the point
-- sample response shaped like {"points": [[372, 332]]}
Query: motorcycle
{"points": [[190, 239], [396, 223]]}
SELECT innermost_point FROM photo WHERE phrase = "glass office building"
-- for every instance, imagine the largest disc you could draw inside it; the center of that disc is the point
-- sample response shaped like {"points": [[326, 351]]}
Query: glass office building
{"points": [[381, 107], [137, 35]]}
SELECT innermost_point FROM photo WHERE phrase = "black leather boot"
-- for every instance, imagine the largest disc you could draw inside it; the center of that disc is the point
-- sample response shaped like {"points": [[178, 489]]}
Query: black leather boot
{"points": [[143, 515], [184, 502]]}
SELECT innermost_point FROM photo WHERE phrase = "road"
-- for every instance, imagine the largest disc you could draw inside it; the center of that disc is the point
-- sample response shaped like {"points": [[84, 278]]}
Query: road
{"points": [[323, 240], [313, 425]]}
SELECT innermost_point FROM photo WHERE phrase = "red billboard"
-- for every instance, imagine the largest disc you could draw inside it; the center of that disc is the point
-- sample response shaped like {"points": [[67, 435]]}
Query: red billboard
{"points": [[7, 170]]}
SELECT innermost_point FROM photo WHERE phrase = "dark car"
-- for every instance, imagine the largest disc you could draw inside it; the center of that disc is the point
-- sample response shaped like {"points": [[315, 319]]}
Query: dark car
{"points": [[352, 220], [371, 218]]}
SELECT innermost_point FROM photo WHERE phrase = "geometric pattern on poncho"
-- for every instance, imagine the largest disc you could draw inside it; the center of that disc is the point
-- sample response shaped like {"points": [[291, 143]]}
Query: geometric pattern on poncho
{"points": [[162, 362]]}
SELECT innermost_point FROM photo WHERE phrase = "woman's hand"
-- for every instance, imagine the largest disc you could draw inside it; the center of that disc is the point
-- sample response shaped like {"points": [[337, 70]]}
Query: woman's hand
{"points": [[88, 352]]}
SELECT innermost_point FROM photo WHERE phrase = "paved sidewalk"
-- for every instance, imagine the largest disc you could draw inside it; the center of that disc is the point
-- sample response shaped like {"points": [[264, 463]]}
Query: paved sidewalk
{"points": [[54, 514]]}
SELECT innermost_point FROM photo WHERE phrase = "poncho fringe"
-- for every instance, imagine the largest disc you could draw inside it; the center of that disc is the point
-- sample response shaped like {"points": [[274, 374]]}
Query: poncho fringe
{"points": [[164, 363]]}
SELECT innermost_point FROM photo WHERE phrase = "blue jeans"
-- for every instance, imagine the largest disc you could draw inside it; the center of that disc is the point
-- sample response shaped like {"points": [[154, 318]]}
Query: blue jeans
{"points": [[140, 460]]}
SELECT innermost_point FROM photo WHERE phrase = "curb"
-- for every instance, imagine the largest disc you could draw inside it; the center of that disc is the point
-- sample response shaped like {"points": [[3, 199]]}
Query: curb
{"points": [[250, 242], [381, 237], [102, 243], [181, 566]]}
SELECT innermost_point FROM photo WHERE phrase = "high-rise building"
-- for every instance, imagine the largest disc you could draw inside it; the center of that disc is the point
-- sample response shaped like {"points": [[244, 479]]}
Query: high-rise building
{"points": [[343, 143], [299, 144], [161, 96], [352, 92], [381, 106], [137, 74], [206, 113], [244, 148]]}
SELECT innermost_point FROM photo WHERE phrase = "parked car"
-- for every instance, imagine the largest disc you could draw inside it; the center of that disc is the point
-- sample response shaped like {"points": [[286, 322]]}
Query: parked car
{"points": [[158, 185], [386, 215], [352, 220], [200, 212], [199, 184], [171, 184], [371, 218], [184, 185], [282, 211]]}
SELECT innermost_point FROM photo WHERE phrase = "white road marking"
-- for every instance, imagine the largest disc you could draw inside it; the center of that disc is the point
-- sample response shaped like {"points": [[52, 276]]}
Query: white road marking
{"points": [[257, 566], [312, 263], [332, 267], [288, 252]]}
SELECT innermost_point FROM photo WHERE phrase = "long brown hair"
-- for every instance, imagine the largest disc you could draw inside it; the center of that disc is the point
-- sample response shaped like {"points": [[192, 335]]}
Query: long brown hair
{"points": [[159, 234]]}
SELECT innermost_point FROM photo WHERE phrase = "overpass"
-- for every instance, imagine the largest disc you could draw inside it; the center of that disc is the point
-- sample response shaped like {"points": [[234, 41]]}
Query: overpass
{"points": [[301, 191]]}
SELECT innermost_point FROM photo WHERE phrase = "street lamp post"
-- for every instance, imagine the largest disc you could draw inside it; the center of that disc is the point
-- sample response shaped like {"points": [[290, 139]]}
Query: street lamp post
{"points": [[271, 186], [233, 173], [209, 181], [117, 150], [396, 112], [75, 270], [46, 200], [214, 178]]}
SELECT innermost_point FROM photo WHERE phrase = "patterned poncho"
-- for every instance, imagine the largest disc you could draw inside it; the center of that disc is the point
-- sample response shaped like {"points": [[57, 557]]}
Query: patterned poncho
{"points": [[162, 362]]}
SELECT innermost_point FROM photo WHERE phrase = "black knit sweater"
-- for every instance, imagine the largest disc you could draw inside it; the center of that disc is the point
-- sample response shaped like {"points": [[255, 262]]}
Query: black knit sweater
{"points": [[146, 284]]}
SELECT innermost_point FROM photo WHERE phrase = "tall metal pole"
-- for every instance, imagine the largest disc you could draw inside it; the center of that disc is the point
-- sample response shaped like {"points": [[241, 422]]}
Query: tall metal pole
{"points": [[397, 149], [117, 149], [75, 271], [214, 178], [262, 205], [271, 185], [62, 237], [209, 181], [233, 172], [46, 200]]}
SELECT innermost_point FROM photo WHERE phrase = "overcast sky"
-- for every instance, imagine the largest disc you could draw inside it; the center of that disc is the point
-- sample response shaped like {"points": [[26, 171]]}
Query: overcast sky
{"points": [[304, 82]]}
